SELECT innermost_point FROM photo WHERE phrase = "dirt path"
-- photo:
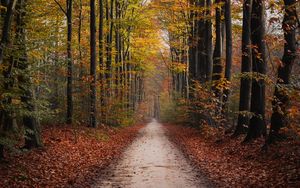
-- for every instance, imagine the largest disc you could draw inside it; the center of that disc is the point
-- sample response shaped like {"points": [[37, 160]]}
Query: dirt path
{"points": [[152, 161]]}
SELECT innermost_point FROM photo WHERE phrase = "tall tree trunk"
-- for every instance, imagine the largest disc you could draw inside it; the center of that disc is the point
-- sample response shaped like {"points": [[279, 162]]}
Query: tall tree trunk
{"points": [[245, 88], [30, 121], [191, 44], [109, 39], [101, 58], [217, 61], [6, 27], [228, 27], [93, 122], [79, 40], [281, 97], [70, 63], [257, 125], [209, 42], [200, 24], [5, 114], [117, 47], [55, 100]]}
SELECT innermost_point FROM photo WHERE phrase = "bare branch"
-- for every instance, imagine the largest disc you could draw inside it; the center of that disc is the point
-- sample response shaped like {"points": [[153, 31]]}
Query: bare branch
{"points": [[61, 8]]}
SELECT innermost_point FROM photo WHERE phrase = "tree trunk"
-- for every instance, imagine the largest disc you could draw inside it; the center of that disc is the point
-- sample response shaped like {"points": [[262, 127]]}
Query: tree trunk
{"points": [[191, 44], [281, 98], [93, 122], [30, 121], [70, 63], [217, 62], [257, 125], [6, 28], [118, 49], [200, 24], [245, 88], [228, 27], [79, 40], [109, 39], [101, 58], [208, 42], [5, 113]]}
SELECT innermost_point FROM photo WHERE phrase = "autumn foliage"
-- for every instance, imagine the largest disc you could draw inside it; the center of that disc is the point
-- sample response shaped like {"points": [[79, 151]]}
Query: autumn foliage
{"points": [[230, 164], [70, 157]]}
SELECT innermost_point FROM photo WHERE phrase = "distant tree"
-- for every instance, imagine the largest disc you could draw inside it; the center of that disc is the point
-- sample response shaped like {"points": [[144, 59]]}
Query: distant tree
{"points": [[69, 15]]}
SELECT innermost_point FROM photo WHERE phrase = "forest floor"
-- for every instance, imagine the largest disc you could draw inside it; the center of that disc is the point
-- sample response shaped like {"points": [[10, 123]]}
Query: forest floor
{"points": [[139, 156], [228, 163], [71, 157]]}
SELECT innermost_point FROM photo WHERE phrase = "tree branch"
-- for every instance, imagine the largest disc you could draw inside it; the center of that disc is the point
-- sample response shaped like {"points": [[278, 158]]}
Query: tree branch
{"points": [[61, 8]]}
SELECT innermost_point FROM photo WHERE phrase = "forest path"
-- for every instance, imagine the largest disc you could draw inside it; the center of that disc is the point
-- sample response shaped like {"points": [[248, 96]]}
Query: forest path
{"points": [[152, 161]]}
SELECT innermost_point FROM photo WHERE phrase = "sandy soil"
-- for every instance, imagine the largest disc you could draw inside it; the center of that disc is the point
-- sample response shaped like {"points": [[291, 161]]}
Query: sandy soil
{"points": [[152, 161]]}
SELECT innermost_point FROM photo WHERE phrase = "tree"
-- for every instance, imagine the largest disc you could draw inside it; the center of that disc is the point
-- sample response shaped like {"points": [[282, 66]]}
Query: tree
{"points": [[6, 27], [109, 40], [69, 15], [208, 42], [257, 125], [70, 63], [93, 122], [191, 40], [217, 61], [200, 38], [101, 56], [281, 97], [228, 27], [30, 121], [245, 88], [8, 17]]}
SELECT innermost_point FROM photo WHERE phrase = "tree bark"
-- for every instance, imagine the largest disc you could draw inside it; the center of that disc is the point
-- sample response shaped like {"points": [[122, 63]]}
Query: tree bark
{"points": [[209, 42], [101, 59], [217, 62], [5, 113], [30, 121], [257, 125], [200, 24], [228, 27], [281, 98], [109, 39], [191, 43], [6, 28], [93, 121], [70, 63], [245, 88], [118, 49], [79, 39]]}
